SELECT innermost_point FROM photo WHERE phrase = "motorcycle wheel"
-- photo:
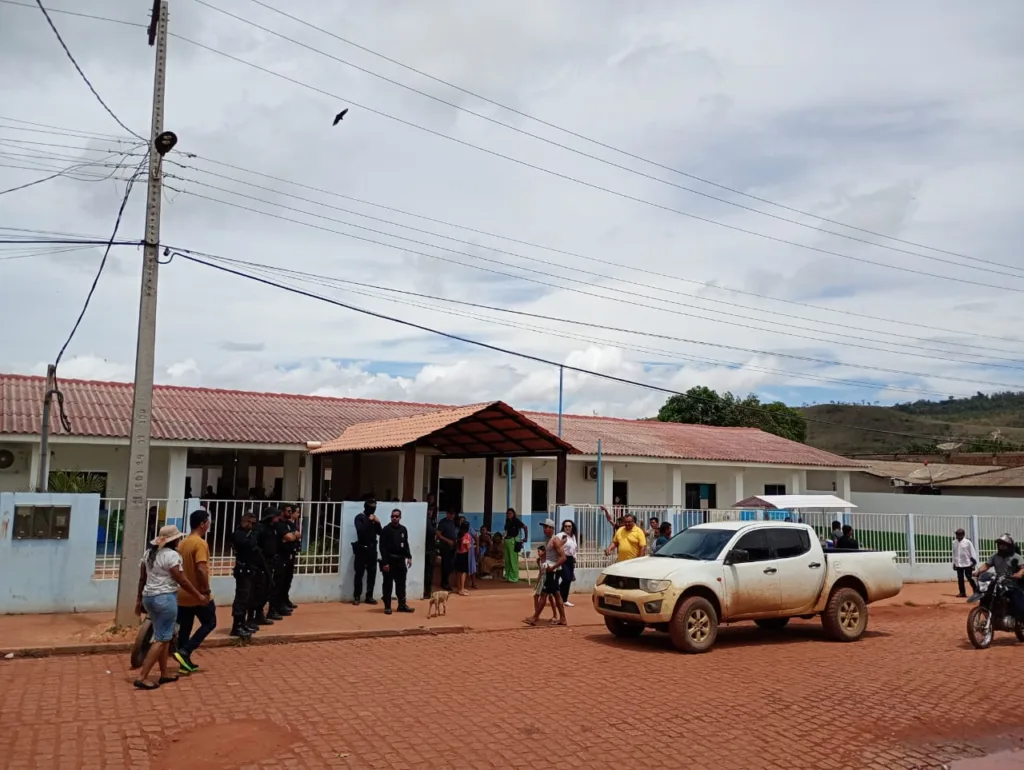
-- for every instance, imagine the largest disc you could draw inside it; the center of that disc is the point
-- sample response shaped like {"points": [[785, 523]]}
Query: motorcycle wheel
{"points": [[979, 628], [144, 640]]}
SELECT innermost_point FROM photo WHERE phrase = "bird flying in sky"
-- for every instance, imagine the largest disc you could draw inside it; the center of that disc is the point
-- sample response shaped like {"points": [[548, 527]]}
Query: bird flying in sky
{"points": [[340, 116]]}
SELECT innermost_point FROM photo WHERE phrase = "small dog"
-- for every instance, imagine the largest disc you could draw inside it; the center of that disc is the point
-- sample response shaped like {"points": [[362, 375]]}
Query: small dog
{"points": [[438, 604]]}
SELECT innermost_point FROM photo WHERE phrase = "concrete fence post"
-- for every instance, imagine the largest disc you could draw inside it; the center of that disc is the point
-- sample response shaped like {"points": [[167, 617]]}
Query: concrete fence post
{"points": [[976, 533], [911, 544]]}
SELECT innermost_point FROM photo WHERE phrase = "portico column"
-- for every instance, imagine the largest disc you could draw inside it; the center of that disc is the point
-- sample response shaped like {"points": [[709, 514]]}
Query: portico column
{"points": [[607, 484], [306, 490], [290, 482], [488, 510], [843, 485], [737, 487], [674, 486], [177, 470], [797, 483], [525, 485]]}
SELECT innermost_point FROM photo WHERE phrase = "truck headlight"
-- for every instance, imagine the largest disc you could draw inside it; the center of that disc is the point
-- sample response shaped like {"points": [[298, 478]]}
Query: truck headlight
{"points": [[600, 579], [655, 586]]}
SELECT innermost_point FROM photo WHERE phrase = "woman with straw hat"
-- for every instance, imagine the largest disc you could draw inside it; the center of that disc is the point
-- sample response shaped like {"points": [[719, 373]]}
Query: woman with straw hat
{"points": [[160, 574]]}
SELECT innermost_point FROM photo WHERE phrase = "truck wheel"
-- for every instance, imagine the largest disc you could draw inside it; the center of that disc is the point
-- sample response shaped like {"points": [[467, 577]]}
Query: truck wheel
{"points": [[694, 626], [845, 618], [772, 624], [623, 628]]}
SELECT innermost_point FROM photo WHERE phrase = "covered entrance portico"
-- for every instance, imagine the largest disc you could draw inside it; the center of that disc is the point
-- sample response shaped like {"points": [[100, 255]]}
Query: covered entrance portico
{"points": [[400, 459]]}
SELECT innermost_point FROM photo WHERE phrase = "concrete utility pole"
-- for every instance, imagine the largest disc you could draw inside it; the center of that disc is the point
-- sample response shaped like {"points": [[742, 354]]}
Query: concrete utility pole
{"points": [[136, 510], [43, 482]]}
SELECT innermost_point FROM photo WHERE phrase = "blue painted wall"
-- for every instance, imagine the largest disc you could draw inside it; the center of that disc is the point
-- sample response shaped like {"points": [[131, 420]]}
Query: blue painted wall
{"points": [[52, 575]]}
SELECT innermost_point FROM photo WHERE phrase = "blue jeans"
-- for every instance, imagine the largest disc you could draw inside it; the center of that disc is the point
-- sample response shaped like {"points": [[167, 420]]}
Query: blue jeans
{"points": [[162, 610], [207, 617]]}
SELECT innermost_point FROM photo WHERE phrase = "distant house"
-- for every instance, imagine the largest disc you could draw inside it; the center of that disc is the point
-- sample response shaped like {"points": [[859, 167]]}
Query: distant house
{"points": [[936, 478]]}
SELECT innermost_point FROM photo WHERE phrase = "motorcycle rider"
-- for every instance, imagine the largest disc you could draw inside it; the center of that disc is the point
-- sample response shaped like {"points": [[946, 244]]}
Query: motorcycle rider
{"points": [[1008, 563]]}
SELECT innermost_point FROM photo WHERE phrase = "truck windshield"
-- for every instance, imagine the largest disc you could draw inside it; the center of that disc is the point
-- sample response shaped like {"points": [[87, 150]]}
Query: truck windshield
{"points": [[699, 544]]}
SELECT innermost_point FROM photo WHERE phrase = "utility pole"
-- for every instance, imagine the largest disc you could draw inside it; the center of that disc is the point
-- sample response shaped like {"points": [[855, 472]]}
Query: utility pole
{"points": [[136, 513], [43, 482]]}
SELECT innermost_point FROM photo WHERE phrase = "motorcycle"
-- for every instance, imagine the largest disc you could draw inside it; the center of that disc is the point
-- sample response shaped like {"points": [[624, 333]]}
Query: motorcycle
{"points": [[994, 611], [144, 640]]}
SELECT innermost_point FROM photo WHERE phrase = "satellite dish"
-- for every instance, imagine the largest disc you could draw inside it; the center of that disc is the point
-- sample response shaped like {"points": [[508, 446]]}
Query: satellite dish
{"points": [[6, 459], [949, 446]]}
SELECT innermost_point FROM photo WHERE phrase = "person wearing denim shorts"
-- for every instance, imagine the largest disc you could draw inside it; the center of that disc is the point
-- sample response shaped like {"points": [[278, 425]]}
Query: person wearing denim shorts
{"points": [[160, 574]]}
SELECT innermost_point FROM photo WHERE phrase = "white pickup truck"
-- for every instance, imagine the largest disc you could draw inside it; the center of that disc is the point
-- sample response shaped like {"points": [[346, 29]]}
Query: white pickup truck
{"points": [[733, 571]]}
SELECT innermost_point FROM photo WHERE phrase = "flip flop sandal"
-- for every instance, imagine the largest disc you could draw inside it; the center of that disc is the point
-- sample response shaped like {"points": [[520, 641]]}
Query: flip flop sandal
{"points": [[529, 621], [167, 679], [143, 685]]}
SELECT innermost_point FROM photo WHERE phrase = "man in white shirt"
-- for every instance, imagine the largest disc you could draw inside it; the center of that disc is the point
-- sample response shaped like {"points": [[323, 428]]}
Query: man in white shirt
{"points": [[965, 559]]}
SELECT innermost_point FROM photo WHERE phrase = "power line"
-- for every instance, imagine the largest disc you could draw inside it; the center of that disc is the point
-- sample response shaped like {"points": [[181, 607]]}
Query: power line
{"points": [[505, 351], [59, 128], [625, 196], [825, 362], [80, 15], [81, 73], [599, 143], [617, 298], [602, 188], [902, 337], [99, 271], [511, 127], [41, 253], [635, 268], [389, 295]]}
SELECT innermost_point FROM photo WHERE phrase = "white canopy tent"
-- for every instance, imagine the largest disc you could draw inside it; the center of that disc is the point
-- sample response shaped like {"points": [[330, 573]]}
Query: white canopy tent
{"points": [[795, 502]]}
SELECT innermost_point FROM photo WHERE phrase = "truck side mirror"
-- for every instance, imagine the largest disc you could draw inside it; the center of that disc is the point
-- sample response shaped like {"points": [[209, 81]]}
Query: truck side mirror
{"points": [[736, 556]]}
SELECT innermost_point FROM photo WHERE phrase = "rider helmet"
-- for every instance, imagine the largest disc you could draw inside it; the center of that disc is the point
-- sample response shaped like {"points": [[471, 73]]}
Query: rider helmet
{"points": [[1006, 539]]}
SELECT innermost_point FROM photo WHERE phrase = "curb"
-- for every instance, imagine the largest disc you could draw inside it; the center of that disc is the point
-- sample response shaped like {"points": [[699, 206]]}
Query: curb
{"points": [[99, 648]]}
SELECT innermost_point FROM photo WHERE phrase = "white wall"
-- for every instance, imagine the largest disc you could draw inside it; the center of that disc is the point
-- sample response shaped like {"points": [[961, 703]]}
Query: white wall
{"points": [[940, 505], [648, 482]]}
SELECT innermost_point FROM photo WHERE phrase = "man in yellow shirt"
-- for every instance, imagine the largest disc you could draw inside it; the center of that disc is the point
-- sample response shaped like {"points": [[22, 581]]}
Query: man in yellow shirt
{"points": [[195, 563], [629, 539]]}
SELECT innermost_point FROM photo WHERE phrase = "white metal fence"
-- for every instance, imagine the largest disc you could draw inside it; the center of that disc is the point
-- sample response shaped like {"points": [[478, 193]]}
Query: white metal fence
{"points": [[320, 526], [916, 538]]}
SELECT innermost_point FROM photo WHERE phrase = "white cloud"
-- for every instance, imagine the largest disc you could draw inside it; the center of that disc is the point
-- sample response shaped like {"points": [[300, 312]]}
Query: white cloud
{"points": [[918, 139]]}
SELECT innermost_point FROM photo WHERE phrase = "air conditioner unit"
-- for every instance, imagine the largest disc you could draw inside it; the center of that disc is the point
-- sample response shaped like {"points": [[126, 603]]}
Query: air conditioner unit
{"points": [[13, 460], [506, 468], [590, 472]]}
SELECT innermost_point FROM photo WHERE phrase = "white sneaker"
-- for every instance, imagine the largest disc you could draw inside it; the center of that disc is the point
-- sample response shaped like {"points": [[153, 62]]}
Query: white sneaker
{"points": [[569, 604]]}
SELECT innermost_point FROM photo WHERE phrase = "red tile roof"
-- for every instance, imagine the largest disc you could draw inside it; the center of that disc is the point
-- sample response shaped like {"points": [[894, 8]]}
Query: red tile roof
{"points": [[492, 428], [193, 414], [650, 438], [103, 409]]}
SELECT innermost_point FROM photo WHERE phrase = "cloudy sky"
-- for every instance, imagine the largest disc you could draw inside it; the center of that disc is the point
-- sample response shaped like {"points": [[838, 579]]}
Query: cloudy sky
{"points": [[902, 119]]}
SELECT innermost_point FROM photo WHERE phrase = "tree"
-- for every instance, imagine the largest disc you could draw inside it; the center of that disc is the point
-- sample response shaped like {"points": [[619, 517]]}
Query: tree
{"points": [[703, 406]]}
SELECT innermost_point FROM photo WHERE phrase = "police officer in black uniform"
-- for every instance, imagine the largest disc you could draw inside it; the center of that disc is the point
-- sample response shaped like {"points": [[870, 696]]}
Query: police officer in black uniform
{"points": [[248, 563], [365, 550], [267, 539], [291, 540], [395, 560], [284, 561]]}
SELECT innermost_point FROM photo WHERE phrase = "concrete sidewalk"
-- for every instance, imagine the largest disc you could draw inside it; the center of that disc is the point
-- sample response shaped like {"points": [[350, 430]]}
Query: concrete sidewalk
{"points": [[485, 610]]}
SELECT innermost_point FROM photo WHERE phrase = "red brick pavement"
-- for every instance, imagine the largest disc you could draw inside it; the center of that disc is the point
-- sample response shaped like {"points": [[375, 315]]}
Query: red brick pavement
{"points": [[496, 606], [912, 694]]}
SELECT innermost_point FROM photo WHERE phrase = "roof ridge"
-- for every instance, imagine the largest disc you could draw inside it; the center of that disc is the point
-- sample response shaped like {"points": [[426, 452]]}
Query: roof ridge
{"points": [[227, 391]]}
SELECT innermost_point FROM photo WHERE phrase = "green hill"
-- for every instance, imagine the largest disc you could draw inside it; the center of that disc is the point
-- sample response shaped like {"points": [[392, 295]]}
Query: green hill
{"points": [[972, 420]]}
